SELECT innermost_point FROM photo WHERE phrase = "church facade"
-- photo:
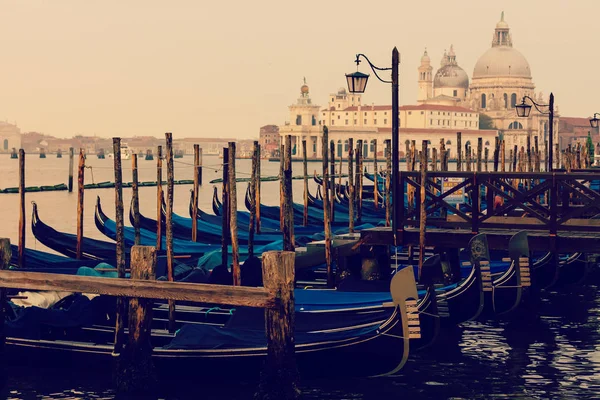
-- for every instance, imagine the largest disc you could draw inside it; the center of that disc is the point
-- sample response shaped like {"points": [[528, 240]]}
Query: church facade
{"points": [[501, 78], [10, 137]]}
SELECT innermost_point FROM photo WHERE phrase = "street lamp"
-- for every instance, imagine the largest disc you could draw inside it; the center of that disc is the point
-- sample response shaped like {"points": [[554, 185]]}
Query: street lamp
{"points": [[524, 109], [357, 82], [594, 121]]}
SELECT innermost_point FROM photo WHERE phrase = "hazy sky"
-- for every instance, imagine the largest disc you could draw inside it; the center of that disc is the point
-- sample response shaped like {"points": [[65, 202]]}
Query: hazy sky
{"points": [[225, 68]]}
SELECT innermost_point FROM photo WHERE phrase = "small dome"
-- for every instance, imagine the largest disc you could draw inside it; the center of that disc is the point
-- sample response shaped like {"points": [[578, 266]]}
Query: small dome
{"points": [[502, 61], [501, 25], [341, 91], [304, 89], [425, 58], [451, 76]]}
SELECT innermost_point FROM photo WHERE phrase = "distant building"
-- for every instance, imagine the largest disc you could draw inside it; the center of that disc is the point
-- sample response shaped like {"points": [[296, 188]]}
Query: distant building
{"points": [[269, 140], [576, 130], [10, 137]]}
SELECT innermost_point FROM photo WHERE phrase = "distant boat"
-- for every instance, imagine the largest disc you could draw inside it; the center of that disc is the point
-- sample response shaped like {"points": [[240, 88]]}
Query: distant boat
{"points": [[125, 152]]}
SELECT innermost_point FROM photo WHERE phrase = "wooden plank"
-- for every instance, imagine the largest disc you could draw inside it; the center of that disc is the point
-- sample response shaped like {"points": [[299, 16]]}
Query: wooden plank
{"points": [[164, 290]]}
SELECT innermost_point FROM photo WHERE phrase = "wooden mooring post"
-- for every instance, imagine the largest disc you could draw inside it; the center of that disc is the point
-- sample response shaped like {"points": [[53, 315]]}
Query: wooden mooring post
{"points": [[135, 370], [135, 198], [326, 207], [233, 225], [422, 202], [257, 188], [159, 198], [359, 180], [288, 209], [120, 246], [479, 150], [70, 181], [459, 151], [80, 195], [375, 175], [169, 224], [332, 180], [350, 184], [279, 379], [305, 171], [388, 173], [253, 208], [225, 233], [22, 217], [195, 192]]}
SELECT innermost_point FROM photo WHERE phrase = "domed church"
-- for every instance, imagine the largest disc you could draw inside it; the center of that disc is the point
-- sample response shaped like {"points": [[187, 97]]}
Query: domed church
{"points": [[501, 77]]}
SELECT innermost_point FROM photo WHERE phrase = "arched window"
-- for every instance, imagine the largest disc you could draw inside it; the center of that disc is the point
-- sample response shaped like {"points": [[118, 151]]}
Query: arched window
{"points": [[407, 142], [487, 143], [513, 100], [515, 125], [505, 100], [298, 119], [346, 145], [468, 143], [372, 147], [5, 144], [365, 153], [339, 148], [448, 141], [483, 101], [314, 120]]}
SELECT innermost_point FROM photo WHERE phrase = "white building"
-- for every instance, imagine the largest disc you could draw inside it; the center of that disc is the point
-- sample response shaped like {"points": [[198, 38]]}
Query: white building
{"points": [[10, 137]]}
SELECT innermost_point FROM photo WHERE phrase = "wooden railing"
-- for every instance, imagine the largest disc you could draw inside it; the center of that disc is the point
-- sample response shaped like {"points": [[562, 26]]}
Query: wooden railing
{"points": [[553, 202]]}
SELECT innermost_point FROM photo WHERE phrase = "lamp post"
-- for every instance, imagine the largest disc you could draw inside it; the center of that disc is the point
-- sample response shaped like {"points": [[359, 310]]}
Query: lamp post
{"points": [[524, 109], [357, 83], [594, 120]]}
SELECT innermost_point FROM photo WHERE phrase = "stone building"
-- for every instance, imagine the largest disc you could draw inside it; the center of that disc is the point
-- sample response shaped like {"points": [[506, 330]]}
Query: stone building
{"points": [[576, 130], [269, 140], [10, 137]]}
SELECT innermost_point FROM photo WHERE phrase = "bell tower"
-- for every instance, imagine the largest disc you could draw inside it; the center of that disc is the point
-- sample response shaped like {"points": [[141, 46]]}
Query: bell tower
{"points": [[425, 78]]}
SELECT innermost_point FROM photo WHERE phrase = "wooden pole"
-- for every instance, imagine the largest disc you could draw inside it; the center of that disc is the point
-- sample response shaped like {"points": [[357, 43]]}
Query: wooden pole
{"points": [[359, 179], [22, 218], [196, 190], [350, 184], [422, 211], [375, 173], [479, 151], [200, 166], [80, 192], [258, 188], [252, 224], [5, 256], [305, 170], [459, 151], [388, 167], [169, 224], [120, 245], [279, 378], [288, 214], [332, 178], [225, 210], [281, 199], [233, 225], [135, 198], [496, 153], [485, 158], [557, 152], [70, 183], [159, 198], [136, 372], [434, 159], [503, 155], [326, 207]]}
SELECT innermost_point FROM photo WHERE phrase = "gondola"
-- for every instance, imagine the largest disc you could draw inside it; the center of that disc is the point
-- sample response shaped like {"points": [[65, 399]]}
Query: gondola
{"points": [[40, 261], [238, 348]]}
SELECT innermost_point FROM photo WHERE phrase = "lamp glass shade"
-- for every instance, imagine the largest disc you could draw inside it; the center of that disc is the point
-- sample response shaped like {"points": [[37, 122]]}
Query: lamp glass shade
{"points": [[357, 82], [523, 109], [594, 122]]}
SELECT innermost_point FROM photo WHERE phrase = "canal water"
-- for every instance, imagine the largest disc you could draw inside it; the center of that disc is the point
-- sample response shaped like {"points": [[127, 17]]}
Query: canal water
{"points": [[549, 350]]}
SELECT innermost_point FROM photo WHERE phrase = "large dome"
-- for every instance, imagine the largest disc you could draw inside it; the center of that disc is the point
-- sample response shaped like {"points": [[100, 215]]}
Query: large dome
{"points": [[502, 61], [450, 76]]}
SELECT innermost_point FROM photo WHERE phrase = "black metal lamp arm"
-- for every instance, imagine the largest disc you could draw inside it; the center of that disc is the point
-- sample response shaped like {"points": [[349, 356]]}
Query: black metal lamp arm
{"points": [[536, 105], [373, 67]]}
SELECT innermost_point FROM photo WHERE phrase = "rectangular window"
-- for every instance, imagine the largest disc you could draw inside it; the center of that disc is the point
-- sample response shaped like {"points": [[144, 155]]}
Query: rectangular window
{"points": [[346, 113], [455, 93], [346, 122], [365, 122], [374, 122], [430, 122], [438, 121], [385, 121], [332, 122], [410, 113], [338, 117], [385, 113], [422, 112], [375, 112], [365, 113], [454, 123]]}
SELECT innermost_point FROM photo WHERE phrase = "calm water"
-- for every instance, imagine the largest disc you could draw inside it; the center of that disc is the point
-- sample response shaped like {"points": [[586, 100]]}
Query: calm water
{"points": [[551, 350]]}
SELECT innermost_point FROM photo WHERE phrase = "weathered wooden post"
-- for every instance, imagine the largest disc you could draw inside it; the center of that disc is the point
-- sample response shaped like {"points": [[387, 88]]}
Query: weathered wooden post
{"points": [[135, 199], [225, 210], [169, 224], [359, 180], [479, 150], [375, 175], [195, 195], [326, 207], [288, 209], [514, 161], [200, 166], [434, 159], [252, 224], [305, 170], [70, 182], [350, 184], [332, 178], [135, 370], [557, 151], [22, 218], [459, 151], [80, 192], [233, 225], [281, 199], [388, 173], [258, 188], [503, 155], [496, 153], [159, 198], [279, 378], [422, 202], [5, 256], [120, 245], [528, 149], [486, 155]]}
